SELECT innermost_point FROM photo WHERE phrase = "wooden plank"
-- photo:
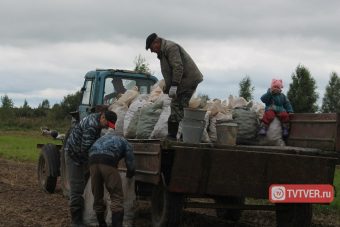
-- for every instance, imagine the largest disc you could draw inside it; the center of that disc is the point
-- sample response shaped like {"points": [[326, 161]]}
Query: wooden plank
{"points": [[337, 146], [314, 130], [244, 173], [148, 164]]}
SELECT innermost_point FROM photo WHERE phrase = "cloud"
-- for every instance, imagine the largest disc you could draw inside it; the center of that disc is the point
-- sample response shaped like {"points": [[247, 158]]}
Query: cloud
{"points": [[50, 45]]}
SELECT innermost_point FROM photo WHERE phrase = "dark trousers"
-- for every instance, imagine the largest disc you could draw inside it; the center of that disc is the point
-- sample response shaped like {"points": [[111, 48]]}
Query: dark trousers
{"points": [[78, 176], [108, 176]]}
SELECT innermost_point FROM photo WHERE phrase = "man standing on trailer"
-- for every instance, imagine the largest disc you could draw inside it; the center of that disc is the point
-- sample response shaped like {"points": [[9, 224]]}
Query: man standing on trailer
{"points": [[181, 76]]}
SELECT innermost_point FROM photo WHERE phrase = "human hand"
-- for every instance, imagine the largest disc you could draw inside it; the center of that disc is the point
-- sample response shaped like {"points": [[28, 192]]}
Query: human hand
{"points": [[172, 91]]}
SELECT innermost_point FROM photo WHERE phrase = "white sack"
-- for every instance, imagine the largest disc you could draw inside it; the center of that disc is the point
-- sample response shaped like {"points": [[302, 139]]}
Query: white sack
{"points": [[138, 103], [161, 128], [120, 109], [274, 134], [148, 118], [89, 215]]}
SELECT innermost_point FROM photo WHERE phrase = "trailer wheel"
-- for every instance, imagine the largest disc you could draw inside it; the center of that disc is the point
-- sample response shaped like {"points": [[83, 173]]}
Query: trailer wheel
{"points": [[48, 167], [229, 214], [294, 215], [166, 207]]}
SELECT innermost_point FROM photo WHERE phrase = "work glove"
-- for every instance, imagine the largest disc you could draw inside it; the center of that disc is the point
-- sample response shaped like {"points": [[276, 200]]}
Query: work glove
{"points": [[130, 174], [172, 91]]}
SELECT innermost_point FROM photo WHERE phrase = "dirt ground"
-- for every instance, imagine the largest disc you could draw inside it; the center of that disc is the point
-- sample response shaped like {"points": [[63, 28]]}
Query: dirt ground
{"points": [[23, 203]]}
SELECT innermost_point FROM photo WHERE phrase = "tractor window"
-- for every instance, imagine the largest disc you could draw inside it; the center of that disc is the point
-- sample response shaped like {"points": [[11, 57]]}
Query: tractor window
{"points": [[116, 86], [87, 90]]}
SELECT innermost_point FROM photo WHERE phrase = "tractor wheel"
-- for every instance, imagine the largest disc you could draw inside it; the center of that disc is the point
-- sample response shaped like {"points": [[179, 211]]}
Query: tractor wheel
{"points": [[294, 215], [48, 167], [166, 207], [64, 178], [229, 214]]}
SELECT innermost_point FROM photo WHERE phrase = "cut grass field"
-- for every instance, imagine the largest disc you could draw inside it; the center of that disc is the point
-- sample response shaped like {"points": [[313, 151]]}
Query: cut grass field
{"points": [[22, 146]]}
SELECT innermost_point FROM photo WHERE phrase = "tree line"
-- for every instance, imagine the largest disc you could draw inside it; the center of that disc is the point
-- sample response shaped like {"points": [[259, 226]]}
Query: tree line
{"points": [[26, 117], [302, 92]]}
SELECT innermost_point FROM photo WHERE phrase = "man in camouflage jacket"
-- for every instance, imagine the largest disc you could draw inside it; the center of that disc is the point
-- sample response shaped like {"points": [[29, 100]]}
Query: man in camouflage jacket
{"points": [[79, 141], [181, 76], [105, 155]]}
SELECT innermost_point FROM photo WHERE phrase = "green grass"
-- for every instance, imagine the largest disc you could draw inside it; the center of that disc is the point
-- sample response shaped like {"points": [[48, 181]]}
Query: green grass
{"points": [[335, 205], [22, 146]]}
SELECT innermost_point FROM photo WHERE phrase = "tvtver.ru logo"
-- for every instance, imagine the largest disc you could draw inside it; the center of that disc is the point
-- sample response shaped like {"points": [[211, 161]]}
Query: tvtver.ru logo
{"points": [[301, 193], [278, 193]]}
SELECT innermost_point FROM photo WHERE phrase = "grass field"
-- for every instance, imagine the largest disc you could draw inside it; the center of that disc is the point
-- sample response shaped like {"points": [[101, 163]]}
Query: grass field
{"points": [[21, 146]]}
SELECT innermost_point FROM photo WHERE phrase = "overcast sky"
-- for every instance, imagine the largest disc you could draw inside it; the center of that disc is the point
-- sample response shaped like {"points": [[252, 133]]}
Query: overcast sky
{"points": [[47, 46]]}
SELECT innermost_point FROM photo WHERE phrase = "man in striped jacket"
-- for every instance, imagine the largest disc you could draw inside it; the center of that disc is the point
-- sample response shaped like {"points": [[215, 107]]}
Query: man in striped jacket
{"points": [[79, 141], [105, 155]]}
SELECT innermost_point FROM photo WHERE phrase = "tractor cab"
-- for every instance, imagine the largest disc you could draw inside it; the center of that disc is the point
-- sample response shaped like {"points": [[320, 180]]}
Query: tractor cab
{"points": [[103, 87]]}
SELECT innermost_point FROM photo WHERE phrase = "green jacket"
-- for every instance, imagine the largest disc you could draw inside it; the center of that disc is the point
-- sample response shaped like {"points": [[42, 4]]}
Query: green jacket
{"points": [[178, 68], [277, 102]]}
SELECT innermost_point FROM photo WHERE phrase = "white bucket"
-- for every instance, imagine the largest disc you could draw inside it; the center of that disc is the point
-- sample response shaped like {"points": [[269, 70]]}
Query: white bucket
{"points": [[226, 133], [192, 130]]}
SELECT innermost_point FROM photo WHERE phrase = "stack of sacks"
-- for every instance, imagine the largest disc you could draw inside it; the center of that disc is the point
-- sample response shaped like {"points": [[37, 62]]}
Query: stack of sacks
{"points": [[120, 107], [223, 111], [148, 115]]}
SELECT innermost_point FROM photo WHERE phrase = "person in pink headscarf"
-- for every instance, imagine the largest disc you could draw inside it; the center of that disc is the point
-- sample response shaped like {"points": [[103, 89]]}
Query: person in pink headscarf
{"points": [[277, 105]]}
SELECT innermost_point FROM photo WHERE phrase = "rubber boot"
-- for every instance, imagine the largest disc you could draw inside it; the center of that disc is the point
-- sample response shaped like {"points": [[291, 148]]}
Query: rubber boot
{"points": [[263, 129], [77, 218], [101, 219], [172, 130], [117, 219], [285, 130]]}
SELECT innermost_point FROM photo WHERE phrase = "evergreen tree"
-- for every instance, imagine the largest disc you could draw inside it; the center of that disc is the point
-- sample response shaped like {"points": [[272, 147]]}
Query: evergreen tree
{"points": [[246, 90], [331, 99], [141, 65], [25, 110], [7, 103], [25, 106], [302, 91], [45, 104]]}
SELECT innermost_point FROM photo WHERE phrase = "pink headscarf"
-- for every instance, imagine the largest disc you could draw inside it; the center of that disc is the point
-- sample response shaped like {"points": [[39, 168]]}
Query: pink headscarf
{"points": [[277, 83]]}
